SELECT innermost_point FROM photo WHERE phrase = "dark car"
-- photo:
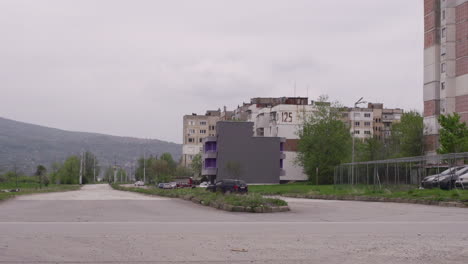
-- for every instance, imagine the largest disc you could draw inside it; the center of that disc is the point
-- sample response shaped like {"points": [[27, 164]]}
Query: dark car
{"points": [[445, 179], [447, 182], [229, 186]]}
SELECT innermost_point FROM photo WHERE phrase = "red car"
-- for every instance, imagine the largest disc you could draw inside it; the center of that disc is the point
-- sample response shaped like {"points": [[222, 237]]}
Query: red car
{"points": [[184, 185]]}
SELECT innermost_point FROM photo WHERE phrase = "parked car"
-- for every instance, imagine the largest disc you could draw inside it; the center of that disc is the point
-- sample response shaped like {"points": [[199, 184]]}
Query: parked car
{"points": [[462, 181], [184, 185], [445, 179], [448, 182], [166, 185], [139, 183], [228, 186], [204, 184], [161, 185]]}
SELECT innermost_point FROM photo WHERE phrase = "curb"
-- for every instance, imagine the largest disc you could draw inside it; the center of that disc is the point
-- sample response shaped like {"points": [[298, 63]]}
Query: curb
{"points": [[241, 209], [377, 199]]}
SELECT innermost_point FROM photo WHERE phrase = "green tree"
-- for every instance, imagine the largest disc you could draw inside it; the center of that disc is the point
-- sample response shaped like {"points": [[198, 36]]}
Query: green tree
{"points": [[161, 171], [196, 165], [41, 172], [121, 175], [324, 141], [90, 163], [145, 163], [69, 173], [170, 162], [55, 168], [407, 135], [109, 174], [369, 149], [182, 171], [453, 134]]}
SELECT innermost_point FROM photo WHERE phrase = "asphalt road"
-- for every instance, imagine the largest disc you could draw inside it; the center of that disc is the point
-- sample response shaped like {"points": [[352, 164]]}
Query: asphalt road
{"points": [[101, 225]]}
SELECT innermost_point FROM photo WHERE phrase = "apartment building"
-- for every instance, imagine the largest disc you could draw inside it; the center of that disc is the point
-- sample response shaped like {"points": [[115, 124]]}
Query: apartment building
{"points": [[373, 121], [279, 117], [195, 129], [445, 64], [235, 153], [383, 119], [360, 121]]}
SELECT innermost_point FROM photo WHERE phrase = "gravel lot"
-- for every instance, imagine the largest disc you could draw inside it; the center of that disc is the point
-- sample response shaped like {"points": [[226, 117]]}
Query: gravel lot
{"points": [[99, 225]]}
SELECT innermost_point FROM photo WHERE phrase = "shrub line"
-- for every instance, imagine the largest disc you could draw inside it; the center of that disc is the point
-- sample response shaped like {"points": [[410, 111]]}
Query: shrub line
{"points": [[216, 203]]}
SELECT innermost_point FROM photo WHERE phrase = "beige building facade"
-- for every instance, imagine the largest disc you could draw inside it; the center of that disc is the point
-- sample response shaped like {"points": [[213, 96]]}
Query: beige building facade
{"points": [[195, 129]]}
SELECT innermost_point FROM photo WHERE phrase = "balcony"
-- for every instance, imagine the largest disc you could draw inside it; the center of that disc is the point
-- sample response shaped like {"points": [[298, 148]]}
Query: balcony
{"points": [[209, 171], [210, 139], [210, 155]]}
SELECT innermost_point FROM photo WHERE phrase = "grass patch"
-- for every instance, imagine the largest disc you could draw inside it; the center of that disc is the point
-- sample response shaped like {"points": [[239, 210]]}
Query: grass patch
{"points": [[31, 188], [247, 200], [390, 191]]}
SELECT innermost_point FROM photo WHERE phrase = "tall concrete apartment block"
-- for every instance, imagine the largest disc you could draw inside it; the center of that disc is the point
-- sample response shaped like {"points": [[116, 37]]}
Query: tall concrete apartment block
{"points": [[235, 153], [195, 129], [445, 64]]}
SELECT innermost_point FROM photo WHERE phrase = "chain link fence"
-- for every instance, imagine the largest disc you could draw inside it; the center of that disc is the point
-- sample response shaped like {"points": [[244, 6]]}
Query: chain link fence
{"points": [[400, 171]]}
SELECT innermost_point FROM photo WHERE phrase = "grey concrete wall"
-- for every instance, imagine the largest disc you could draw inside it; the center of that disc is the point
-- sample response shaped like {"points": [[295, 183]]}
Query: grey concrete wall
{"points": [[256, 158]]}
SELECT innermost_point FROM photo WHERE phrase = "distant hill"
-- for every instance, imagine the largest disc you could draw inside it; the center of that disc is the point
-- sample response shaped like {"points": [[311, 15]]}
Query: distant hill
{"points": [[28, 145]]}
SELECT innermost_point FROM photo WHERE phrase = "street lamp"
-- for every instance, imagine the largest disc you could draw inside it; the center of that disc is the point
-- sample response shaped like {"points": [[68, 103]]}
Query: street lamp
{"points": [[358, 102]]}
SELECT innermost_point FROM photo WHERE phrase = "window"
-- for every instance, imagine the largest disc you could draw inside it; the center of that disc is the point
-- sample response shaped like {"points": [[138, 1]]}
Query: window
{"points": [[367, 132], [443, 14], [442, 68], [366, 115], [191, 131], [357, 123], [201, 140], [202, 131], [366, 123], [357, 132], [442, 85], [357, 114], [444, 32], [443, 50], [202, 123], [191, 140], [212, 127], [191, 123], [210, 163]]}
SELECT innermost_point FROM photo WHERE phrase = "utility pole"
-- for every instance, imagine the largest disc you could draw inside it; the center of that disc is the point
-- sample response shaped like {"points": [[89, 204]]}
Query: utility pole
{"points": [[94, 169], [81, 169], [16, 175], [115, 170], [144, 167], [358, 102]]}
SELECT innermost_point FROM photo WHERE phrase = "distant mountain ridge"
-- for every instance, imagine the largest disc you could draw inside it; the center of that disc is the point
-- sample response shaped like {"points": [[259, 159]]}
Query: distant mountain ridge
{"points": [[28, 145]]}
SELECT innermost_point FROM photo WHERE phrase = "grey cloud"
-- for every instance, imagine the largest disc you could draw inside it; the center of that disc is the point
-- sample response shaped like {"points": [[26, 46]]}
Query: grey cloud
{"points": [[134, 68]]}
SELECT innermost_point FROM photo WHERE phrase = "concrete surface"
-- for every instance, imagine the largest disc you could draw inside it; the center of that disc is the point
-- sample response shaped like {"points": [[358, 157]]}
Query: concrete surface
{"points": [[101, 225]]}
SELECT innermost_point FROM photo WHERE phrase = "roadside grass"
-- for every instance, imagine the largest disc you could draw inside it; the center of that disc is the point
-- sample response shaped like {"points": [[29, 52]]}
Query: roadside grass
{"points": [[246, 200], [387, 191], [31, 188]]}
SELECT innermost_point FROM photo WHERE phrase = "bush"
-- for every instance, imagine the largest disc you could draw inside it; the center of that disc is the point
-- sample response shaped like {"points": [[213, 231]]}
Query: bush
{"points": [[247, 200]]}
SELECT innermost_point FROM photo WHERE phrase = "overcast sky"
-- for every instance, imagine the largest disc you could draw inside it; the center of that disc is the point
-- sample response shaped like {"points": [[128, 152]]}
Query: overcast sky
{"points": [[134, 67]]}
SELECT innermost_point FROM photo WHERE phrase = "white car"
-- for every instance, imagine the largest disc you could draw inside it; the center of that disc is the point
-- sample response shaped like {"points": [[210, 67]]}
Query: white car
{"points": [[203, 185], [462, 182], [139, 183]]}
